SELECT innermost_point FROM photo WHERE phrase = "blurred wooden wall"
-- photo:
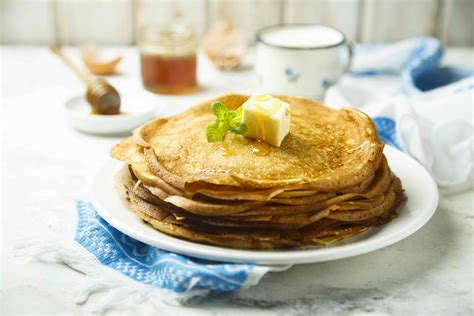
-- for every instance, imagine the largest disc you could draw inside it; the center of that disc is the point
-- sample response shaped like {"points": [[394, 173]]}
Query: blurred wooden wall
{"points": [[114, 21]]}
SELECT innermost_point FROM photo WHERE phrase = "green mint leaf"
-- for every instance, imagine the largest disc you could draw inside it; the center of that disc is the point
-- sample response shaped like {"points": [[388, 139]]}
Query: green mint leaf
{"points": [[225, 120], [219, 109], [229, 116], [216, 131], [238, 112], [236, 125], [240, 128]]}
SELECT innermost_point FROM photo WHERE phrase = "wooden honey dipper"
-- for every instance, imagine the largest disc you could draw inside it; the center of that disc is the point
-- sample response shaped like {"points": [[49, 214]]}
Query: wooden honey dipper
{"points": [[102, 97]]}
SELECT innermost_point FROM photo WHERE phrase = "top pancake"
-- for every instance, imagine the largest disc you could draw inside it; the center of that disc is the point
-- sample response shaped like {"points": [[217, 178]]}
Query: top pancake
{"points": [[326, 149]]}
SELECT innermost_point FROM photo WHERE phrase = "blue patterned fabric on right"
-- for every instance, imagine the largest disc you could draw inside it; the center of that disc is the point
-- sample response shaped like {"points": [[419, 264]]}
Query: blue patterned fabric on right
{"points": [[387, 131]]}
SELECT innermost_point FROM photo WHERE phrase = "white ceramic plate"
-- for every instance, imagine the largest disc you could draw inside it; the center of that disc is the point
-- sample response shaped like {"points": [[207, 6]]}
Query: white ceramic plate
{"points": [[135, 113], [422, 201]]}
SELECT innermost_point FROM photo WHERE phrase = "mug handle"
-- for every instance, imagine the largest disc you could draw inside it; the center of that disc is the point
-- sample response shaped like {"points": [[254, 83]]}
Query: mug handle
{"points": [[350, 49]]}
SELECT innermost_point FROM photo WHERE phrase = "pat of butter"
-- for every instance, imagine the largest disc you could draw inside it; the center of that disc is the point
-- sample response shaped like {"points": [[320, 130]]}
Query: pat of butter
{"points": [[267, 118]]}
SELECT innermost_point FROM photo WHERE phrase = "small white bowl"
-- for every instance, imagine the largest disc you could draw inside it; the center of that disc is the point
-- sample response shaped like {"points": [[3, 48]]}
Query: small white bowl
{"points": [[78, 111]]}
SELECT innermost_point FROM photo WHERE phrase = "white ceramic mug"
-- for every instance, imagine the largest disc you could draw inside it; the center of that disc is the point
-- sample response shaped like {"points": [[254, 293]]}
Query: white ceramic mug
{"points": [[301, 59]]}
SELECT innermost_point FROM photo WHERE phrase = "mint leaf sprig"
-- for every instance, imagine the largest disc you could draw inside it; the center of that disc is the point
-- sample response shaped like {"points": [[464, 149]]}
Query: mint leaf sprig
{"points": [[226, 120]]}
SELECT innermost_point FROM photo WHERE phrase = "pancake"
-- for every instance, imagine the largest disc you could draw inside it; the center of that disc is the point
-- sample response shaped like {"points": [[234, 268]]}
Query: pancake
{"points": [[129, 152], [326, 149], [270, 220], [133, 154], [322, 232], [275, 206], [328, 181]]}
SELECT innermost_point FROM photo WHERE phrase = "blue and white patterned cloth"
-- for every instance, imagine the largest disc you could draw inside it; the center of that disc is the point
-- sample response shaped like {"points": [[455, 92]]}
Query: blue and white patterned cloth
{"points": [[391, 84], [413, 60], [410, 96], [159, 268]]}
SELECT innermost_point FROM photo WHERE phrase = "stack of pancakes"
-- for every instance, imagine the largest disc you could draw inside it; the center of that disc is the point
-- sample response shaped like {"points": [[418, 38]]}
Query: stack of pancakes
{"points": [[329, 180]]}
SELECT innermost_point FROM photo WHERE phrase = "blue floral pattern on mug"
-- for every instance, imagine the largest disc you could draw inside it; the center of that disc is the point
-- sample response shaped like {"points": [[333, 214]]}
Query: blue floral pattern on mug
{"points": [[326, 83], [290, 75]]}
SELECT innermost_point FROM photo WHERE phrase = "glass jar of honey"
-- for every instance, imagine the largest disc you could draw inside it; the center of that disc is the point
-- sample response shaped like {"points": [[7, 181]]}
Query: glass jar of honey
{"points": [[168, 58]]}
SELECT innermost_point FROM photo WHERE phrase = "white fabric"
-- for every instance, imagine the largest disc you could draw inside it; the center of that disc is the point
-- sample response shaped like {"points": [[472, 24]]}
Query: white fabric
{"points": [[428, 126], [116, 291]]}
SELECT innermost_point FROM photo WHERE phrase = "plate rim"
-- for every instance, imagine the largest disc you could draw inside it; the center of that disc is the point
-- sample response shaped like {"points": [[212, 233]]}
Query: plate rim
{"points": [[268, 257]]}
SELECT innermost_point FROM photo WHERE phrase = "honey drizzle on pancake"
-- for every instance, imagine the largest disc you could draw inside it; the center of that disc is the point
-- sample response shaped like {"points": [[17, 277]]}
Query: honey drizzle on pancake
{"points": [[226, 151], [260, 148]]}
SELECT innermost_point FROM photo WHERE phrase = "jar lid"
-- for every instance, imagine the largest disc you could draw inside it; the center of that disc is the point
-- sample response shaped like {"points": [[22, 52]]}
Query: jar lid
{"points": [[173, 39]]}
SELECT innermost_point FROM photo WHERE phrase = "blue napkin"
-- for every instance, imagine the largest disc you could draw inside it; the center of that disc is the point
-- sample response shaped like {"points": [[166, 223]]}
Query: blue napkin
{"points": [[159, 268]]}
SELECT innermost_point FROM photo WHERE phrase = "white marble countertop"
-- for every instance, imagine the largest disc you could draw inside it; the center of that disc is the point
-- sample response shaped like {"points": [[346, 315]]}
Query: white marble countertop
{"points": [[44, 168]]}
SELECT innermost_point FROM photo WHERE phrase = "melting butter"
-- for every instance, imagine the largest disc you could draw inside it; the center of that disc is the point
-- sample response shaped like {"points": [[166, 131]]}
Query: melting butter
{"points": [[267, 118]]}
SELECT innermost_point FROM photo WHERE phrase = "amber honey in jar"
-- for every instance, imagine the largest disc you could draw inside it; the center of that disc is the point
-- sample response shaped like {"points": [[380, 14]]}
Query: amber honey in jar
{"points": [[168, 59]]}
